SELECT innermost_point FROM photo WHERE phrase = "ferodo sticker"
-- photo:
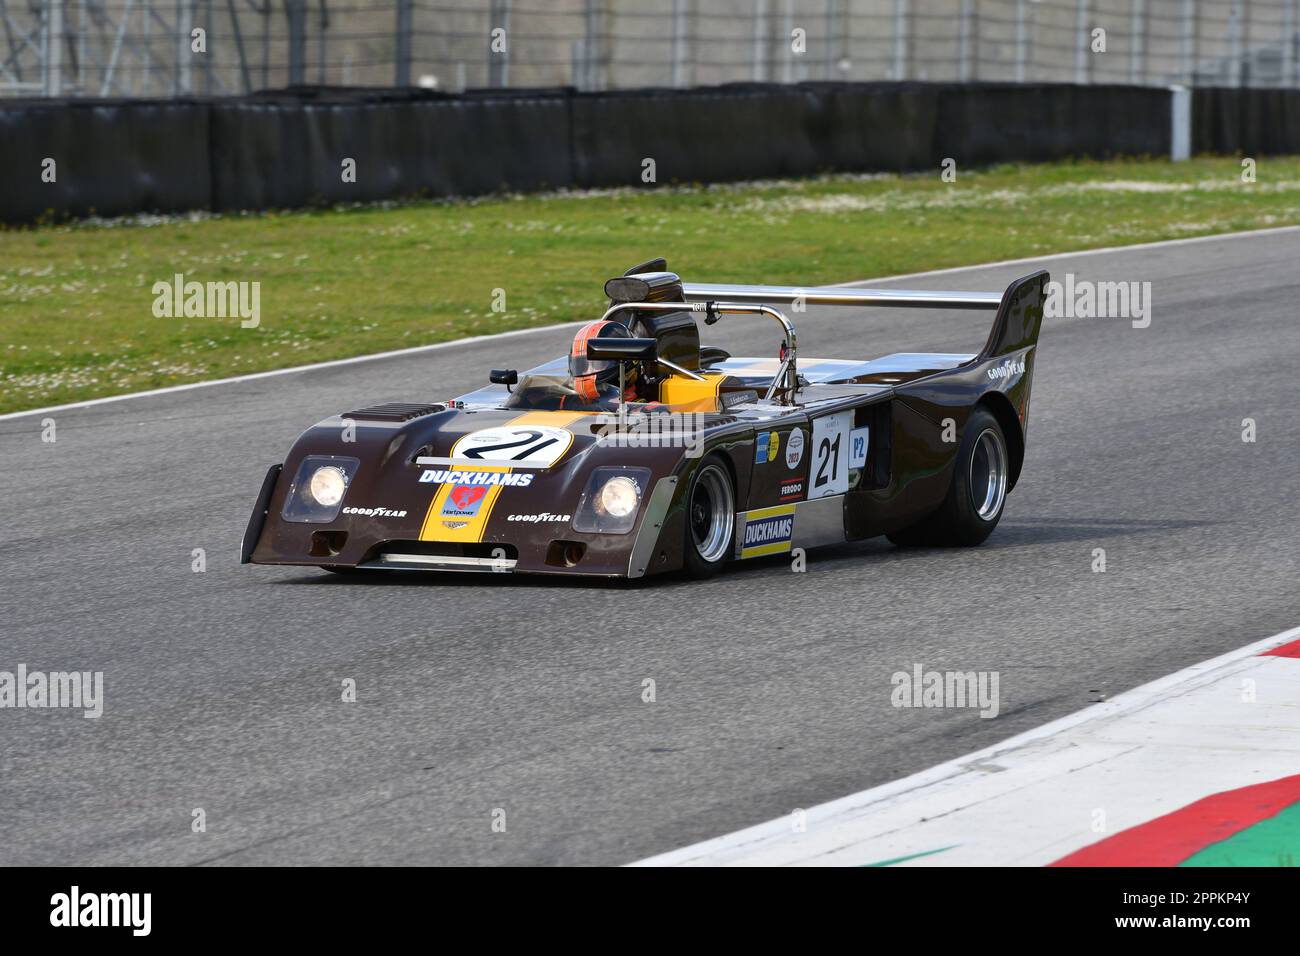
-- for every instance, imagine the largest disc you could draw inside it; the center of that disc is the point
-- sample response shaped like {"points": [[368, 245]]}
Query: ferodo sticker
{"points": [[535, 445], [767, 531]]}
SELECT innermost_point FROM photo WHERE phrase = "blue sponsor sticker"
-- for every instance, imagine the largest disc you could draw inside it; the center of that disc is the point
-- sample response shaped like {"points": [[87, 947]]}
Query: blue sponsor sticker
{"points": [[760, 447]]}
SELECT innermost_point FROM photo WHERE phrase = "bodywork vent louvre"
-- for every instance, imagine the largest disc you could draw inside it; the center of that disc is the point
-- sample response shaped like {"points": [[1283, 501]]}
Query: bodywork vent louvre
{"points": [[394, 412]]}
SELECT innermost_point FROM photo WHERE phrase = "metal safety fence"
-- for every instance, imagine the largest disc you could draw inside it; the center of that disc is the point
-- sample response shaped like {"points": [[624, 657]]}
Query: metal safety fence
{"points": [[150, 48]]}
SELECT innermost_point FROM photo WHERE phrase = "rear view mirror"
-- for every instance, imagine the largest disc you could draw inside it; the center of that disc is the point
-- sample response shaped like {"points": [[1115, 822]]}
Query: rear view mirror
{"points": [[503, 376], [622, 350]]}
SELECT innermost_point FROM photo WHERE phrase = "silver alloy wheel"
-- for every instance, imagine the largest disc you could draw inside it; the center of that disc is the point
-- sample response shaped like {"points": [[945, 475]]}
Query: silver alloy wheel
{"points": [[988, 474], [712, 513]]}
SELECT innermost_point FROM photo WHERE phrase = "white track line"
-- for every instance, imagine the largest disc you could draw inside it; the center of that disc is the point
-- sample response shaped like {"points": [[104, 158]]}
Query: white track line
{"points": [[414, 350], [753, 838]]}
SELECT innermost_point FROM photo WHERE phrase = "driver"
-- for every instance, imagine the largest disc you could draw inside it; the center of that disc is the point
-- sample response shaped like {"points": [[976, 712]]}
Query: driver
{"points": [[595, 379]]}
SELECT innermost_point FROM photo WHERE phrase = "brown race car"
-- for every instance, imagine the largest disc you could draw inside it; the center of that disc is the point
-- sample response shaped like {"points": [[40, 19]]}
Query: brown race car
{"points": [[644, 452]]}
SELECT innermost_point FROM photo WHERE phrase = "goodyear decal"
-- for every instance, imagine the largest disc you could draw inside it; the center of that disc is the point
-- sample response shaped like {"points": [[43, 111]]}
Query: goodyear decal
{"points": [[767, 531], [467, 493]]}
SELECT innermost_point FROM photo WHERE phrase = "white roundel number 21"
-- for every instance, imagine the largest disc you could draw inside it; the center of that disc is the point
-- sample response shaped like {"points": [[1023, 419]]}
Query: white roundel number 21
{"points": [[830, 455], [534, 445]]}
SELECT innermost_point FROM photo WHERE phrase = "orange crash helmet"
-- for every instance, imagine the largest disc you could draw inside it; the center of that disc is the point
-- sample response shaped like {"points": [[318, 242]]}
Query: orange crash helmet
{"points": [[591, 375]]}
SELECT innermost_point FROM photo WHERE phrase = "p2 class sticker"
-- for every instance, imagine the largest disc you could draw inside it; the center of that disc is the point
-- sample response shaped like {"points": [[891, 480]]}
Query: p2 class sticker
{"points": [[829, 468], [794, 448], [859, 442], [539, 446]]}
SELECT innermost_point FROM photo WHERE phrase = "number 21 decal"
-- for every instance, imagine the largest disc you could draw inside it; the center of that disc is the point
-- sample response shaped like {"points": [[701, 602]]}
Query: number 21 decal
{"points": [[536, 445], [831, 447]]}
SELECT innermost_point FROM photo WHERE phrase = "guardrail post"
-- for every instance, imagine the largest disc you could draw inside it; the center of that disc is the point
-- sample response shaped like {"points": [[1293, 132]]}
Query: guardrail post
{"points": [[965, 40], [297, 13], [759, 73], [1235, 72], [1083, 41], [787, 48], [402, 65], [1288, 44], [1022, 40], [900, 40], [498, 62], [1189, 42], [1180, 123], [1137, 42], [53, 48], [679, 43], [591, 48]]}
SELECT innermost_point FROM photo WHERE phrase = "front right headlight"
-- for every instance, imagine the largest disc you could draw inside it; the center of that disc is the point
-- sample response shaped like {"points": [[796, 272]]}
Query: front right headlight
{"points": [[617, 497], [318, 488]]}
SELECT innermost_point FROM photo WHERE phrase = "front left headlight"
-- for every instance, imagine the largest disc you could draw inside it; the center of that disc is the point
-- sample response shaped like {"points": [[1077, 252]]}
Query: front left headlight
{"points": [[327, 484], [319, 486], [611, 500]]}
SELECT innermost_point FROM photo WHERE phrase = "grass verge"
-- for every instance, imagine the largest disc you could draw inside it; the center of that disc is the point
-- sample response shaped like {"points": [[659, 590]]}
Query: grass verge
{"points": [[78, 319]]}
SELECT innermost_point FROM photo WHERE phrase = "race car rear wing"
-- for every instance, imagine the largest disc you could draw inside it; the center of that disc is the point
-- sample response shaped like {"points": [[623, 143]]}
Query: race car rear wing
{"points": [[1016, 325], [838, 295]]}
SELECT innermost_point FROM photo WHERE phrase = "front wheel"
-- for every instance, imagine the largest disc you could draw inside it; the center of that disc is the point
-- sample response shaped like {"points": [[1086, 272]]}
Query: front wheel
{"points": [[973, 505], [710, 518]]}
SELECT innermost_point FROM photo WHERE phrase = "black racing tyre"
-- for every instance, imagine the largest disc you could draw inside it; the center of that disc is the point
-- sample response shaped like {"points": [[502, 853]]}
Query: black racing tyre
{"points": [[975, 500], [710, 518]]}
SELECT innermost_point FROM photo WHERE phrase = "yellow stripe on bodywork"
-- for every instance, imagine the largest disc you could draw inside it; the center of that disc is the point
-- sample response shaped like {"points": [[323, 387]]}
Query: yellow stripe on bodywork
{"points": [[435, 527], [554, 419]]}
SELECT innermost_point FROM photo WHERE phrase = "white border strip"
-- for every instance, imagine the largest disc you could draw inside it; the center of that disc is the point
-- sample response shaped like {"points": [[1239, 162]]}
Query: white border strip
{"points": [[415, 350], [1132, 700]]}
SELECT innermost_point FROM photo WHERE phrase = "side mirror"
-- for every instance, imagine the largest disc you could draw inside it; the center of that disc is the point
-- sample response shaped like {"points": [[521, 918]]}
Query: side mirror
{"points": [[622, 350], [503, 376]]}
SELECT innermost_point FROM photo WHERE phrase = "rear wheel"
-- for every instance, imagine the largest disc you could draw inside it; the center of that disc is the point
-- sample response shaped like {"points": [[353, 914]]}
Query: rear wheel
{"points": [[710, 518], [973, 505]]}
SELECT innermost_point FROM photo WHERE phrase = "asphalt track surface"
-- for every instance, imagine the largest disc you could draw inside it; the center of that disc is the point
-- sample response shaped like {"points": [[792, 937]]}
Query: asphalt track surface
{"points": [[773, 688]]}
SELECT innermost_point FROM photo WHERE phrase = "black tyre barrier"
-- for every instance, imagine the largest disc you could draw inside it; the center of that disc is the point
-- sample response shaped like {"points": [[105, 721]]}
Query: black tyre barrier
{"points": [[1253, 122], [109, 158], [286, 148]]}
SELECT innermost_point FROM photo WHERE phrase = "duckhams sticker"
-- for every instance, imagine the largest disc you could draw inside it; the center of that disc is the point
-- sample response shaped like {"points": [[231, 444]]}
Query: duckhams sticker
{"points": [[767, 531]]}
